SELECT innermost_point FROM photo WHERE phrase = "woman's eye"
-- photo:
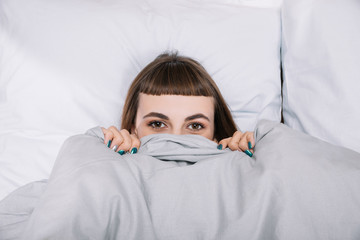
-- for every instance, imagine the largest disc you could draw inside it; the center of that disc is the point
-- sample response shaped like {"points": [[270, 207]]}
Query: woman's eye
{"points": [[195, 126], [157, 124]]}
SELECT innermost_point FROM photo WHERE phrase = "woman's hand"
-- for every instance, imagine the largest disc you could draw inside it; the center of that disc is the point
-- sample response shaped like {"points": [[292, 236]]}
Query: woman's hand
{"points": [[239, 141], [121, 141]]}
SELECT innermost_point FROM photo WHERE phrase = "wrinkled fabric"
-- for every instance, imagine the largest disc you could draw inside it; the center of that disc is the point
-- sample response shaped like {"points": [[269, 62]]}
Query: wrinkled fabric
{"points": [[182, 187]]}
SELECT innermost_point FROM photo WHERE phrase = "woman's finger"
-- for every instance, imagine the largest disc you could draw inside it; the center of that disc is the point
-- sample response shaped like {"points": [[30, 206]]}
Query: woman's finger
{"points": [[112, 137], [248, 142], [108, 136], [127, 141], [223, 143], [234, 141], [117, 140], [251, 141], [135, 144], [244, 141]]}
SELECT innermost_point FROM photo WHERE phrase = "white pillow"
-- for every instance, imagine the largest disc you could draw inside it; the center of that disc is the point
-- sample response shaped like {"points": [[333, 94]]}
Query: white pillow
{"points": [[321, 66], [66, 67]]}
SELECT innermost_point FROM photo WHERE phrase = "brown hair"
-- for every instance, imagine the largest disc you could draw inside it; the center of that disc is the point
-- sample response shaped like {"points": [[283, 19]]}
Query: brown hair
{"points": [[171, 74]]}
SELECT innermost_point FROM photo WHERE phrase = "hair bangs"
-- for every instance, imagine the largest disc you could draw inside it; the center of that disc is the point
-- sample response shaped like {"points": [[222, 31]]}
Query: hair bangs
{"points": [[176, 78]]}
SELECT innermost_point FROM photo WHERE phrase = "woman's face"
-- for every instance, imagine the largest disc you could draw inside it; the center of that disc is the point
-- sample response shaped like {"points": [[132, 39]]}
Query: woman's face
{"points": [[175, 114]]}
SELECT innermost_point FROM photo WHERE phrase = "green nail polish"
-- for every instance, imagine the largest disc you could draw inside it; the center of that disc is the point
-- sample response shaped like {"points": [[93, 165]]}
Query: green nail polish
{"points": [[219, 146], [109, 143], [249, 145], [248, 153], [121, 152], [133, 151]]}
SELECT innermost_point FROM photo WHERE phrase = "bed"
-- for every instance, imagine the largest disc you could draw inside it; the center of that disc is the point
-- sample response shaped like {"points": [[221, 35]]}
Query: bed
{"points": [[287, 69]]}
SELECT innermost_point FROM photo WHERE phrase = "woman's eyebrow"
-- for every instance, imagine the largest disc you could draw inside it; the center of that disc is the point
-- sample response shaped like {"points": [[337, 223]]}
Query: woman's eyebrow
{"points": [[156, 114], [195, 116]]}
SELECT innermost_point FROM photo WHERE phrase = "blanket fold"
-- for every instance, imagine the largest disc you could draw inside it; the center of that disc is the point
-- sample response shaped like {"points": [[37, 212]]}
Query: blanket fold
{"points": [[183, 187]]}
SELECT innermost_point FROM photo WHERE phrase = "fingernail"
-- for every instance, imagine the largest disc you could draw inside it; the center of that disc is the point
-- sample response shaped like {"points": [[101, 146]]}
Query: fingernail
{"points": [[219, 146], [109, 143], [248, 153], [114, 148], [121, 152], [133, 151], [249, 145]]}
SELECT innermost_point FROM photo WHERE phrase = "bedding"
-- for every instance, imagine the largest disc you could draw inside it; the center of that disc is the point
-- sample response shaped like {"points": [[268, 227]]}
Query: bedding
{"points": [[321, 73], [182, 187]]}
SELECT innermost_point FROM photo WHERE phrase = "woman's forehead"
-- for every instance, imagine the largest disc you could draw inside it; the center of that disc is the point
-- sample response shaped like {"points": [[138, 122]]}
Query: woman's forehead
{"points": [[175, 104]]}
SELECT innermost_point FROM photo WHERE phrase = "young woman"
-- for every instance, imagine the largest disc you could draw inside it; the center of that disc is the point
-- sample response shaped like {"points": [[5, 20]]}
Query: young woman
{"points": [[174, 94]]}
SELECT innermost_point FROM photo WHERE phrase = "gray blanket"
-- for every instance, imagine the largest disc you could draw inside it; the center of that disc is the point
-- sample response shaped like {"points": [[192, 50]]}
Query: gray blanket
{"points": [[182, 187]]}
